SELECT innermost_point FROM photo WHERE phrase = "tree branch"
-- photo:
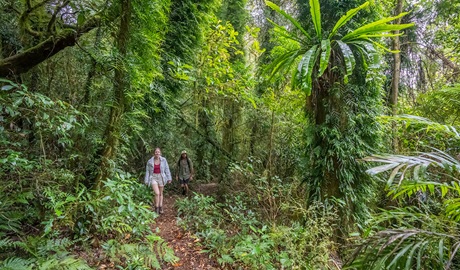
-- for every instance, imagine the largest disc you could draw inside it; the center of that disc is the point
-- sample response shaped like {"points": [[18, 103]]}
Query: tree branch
{"points": [[24, 61], [53, 18]]}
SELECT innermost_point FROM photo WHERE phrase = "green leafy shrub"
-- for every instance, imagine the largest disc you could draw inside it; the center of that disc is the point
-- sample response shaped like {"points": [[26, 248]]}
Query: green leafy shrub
{"points": [[236, 235]]}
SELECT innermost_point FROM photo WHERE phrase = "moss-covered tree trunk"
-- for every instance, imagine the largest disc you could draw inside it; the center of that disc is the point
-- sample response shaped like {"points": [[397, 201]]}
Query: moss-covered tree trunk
{"points": [[112, 133]]}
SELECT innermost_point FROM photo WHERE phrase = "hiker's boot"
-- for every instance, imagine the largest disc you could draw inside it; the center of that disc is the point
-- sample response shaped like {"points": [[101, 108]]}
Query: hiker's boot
{"points": [[184, 192], [157, 210], [161, 210]]}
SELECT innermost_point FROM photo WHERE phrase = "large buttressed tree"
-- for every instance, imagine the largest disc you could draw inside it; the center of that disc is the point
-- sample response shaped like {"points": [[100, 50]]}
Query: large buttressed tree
{"points": [[337, 66]]}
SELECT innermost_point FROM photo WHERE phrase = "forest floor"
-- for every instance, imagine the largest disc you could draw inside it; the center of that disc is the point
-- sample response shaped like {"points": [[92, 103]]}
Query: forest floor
{"points": [[185, 245]]}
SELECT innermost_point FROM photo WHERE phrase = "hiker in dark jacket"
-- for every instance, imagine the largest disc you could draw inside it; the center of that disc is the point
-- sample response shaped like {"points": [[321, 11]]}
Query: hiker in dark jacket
{"points": [[184, 171]]}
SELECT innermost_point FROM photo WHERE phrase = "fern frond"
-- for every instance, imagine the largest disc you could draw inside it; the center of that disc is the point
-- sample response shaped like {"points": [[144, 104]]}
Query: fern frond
{"points": [[16, 263]]}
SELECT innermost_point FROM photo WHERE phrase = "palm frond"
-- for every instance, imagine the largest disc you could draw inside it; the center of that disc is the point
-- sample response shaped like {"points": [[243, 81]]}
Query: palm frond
{"points": [[396, 249], [419, 163]]}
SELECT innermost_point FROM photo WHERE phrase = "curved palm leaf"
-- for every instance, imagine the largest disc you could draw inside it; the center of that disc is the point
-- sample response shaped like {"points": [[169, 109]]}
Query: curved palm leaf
{"points": [[345, 18], [287, 16]]}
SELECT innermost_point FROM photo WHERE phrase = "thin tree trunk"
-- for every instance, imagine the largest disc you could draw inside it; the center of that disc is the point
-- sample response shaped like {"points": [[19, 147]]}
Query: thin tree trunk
{"points": [[112, 133], [396, 72], [270, 148]]}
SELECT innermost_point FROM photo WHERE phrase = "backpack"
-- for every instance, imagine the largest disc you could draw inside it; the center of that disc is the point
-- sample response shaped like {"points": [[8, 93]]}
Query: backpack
{"points": [[188, 164]]}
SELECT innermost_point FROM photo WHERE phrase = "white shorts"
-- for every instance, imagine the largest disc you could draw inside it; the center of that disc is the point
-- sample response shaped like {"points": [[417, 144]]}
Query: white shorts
{"points": [[156, 179]]}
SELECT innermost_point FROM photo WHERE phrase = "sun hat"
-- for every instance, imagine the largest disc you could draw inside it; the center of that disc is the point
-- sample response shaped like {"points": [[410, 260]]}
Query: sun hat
{"points": [[183, 152]]}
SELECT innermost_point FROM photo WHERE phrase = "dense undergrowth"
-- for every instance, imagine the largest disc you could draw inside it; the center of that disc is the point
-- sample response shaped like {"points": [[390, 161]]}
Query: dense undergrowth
{"points": [[262, 227], [80, 230]]}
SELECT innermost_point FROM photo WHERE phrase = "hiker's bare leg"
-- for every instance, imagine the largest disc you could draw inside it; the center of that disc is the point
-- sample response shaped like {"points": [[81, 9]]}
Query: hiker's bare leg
{"points": [[156, 190], [160, 196]]}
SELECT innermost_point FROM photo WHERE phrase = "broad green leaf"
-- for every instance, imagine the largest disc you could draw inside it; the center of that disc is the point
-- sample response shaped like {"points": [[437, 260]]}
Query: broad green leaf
{"points": [[371, 54], [306, 69], [378, 31], [81, 19], [378, 26], [364, 57], [349, 59], [316, 17], [444, 190], [345, 18], [17, 102], [366, 36], [325, 55], [287, 16]]}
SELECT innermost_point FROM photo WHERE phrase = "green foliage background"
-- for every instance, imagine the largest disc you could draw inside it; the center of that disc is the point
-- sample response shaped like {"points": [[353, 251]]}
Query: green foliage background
{"points": [[280, 116]]}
